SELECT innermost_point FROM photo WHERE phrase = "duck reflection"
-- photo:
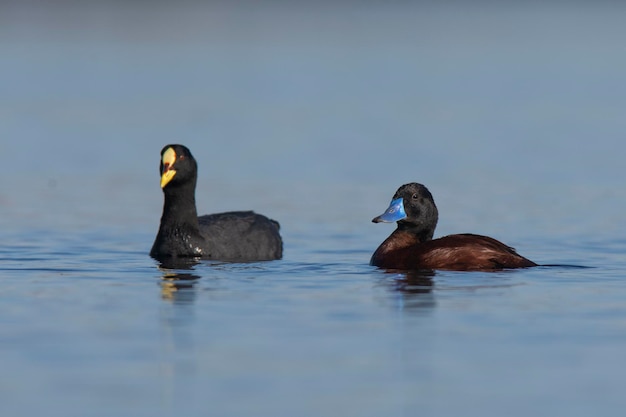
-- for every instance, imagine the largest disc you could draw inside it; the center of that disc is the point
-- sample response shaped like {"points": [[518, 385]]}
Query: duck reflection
{"points": [[177, 286], [411, 289]]}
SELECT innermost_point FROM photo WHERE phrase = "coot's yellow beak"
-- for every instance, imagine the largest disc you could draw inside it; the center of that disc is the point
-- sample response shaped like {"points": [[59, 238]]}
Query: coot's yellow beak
{"points": [[167, 170]]}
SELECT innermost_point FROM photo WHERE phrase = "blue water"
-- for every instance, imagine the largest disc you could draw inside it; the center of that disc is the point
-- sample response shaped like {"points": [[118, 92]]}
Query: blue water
{"points": [[313, 115]]}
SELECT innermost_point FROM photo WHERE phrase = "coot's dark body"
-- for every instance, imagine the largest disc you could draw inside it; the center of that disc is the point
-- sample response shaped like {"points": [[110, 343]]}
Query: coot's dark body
{"points": [[241, 236]]}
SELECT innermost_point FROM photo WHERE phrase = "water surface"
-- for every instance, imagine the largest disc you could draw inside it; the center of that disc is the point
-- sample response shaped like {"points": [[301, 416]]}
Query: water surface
{"points": [[512, 116]]}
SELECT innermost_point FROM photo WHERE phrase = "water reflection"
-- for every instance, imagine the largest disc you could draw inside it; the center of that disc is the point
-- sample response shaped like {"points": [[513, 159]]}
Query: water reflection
{"points": [[411, 289], [176, 286], [177, 319]]}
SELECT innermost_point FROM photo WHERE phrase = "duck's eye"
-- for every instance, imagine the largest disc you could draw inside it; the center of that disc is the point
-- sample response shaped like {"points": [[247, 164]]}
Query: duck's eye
{"points": [[415, 196]]}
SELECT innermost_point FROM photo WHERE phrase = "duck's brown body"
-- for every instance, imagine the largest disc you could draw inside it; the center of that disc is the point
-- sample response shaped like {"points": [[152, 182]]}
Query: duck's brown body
{"points": [[461, 252], [411, 246]]}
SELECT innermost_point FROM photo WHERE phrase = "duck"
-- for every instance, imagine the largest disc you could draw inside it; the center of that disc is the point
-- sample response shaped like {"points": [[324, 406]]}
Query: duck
{"points": [[236, 236], [412, 247]]}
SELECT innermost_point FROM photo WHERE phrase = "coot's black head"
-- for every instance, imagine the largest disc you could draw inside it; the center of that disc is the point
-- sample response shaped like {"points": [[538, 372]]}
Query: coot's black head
{"points": [[178, 166], [413, 207]]}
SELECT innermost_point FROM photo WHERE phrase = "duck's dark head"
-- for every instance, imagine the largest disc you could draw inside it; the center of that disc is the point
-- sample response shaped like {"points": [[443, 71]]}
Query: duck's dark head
{"points": [[178, 166], [413, 207]]}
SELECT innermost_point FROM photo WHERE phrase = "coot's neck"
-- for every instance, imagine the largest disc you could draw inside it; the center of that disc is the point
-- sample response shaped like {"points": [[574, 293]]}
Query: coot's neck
{"points": [[179, 232], [179, 207]]}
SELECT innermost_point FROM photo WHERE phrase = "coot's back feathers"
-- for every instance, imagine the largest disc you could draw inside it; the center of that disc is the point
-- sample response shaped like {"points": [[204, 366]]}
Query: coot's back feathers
{"points": [[257, 236]]}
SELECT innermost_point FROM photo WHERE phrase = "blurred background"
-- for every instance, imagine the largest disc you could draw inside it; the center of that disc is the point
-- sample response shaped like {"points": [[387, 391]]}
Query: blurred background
{"points": [[295, 107], [313, 113]]}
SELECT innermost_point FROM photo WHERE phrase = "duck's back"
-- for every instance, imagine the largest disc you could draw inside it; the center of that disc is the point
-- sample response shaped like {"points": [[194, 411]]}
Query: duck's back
{"points": [[471, 252], [240, 236], [460, 252]]}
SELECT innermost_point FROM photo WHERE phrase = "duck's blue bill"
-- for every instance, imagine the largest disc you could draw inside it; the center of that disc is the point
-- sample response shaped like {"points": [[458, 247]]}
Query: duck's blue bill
{"points": [[394, 213]]}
